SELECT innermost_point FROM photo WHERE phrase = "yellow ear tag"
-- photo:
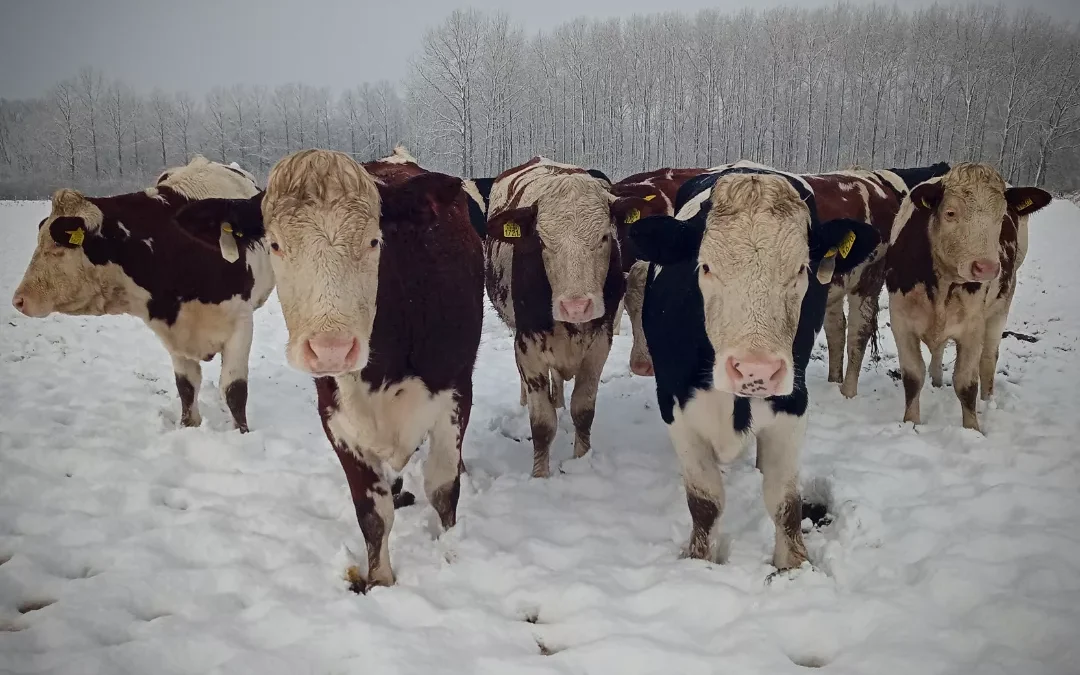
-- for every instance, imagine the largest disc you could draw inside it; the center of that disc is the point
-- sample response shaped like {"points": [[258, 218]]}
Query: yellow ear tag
{"points": [[77, 236], [649, 198], [632, 216], [830, 253], [846, 244], [1027, 203], [229, 249], [925, 204], [511, 230]]}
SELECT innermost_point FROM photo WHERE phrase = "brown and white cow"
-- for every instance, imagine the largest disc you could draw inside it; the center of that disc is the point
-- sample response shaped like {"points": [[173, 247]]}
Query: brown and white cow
{"points": [[951, 273], [124, 255], [554, 277], [380, 276], [651, 193]]}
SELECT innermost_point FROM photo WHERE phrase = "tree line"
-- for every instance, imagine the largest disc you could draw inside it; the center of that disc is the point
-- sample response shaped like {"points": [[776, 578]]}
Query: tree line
{"points": [[803, 90]]}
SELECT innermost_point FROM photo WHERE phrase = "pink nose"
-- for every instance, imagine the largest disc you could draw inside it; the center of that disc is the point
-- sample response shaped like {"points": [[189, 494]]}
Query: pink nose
{"points": [[331, 353], [642, 367], [20, 303], [577, 310], [984, 269], [756, 375]]}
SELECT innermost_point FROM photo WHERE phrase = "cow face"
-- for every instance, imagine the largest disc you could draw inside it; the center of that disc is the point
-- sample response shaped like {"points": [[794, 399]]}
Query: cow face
{"points": [[965, 209], [571, 225], [65, 273], [755, 257]]}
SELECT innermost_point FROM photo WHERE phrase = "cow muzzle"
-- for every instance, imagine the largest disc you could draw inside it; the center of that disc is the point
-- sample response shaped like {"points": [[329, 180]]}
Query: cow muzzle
{"points": [[578, 309], [983, 269], [754, 375], [331, 354], [28, 307]]}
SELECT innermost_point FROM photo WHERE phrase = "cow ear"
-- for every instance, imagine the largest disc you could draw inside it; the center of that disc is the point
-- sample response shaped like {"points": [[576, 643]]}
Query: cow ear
{"points": [[665, 240], [927, 196], [1027, 200], [223, 224], [839, 246], [405, 202], [627, 210], [600, 175], [69, 231], [514, 226]]}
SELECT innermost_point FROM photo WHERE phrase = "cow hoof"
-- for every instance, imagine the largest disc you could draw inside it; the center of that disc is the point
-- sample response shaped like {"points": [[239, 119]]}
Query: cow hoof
{"points": [[403, 499], [191, 421], [790, 573], [359, 585], [835, 379], [849, 392], [243, 428], [936, 384]]}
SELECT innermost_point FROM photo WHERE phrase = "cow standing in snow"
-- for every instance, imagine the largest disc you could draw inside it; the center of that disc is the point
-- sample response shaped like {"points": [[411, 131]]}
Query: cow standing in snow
{"points": [[380, 277], [734, 298], [123, 255], [951, 273], [640, 196], [554, 277]]}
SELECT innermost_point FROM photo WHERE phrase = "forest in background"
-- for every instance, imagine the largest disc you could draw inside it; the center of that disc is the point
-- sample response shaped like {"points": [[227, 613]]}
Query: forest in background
{"points": [[802, 90]]}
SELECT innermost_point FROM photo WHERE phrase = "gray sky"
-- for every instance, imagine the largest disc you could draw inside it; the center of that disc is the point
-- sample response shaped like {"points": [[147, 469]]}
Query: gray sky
{"points": [[194, 45]]}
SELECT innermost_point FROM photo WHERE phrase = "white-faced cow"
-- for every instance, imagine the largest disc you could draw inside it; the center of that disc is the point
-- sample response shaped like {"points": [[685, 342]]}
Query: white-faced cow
{"points": [[951, 273], [641, 195], [124, 255], [733, 303], [554, 277], [380, 277]]}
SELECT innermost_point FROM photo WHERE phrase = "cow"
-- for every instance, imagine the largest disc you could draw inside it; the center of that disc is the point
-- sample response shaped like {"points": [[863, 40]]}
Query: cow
{"points": [[639, 196], [735, 295], [381, 281], [958, 242], [124, 255], [554, 277]]}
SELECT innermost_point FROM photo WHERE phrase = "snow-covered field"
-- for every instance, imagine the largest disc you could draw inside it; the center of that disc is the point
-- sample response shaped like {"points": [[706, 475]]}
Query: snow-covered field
{"points": [[129, 546]]}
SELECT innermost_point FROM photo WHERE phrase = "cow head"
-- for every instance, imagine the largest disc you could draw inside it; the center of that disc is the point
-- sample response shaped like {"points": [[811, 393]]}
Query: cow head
{"points": [[570, 223], [965, 208], [67, 271], [324, 218], [755, 255]]}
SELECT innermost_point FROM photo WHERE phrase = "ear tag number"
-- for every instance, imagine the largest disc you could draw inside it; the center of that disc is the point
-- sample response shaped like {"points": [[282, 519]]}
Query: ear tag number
{"points": [[77, 236], [511, 231], [1027, 203], [846, 244], [632, 216]]}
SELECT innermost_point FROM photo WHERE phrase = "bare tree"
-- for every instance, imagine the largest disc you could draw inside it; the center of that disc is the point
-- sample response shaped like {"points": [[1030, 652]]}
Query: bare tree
{"points": [[90, 86]]}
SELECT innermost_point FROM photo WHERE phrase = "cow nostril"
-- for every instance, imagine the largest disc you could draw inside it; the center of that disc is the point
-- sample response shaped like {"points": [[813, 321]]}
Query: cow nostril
{"points": [[19, 302]]}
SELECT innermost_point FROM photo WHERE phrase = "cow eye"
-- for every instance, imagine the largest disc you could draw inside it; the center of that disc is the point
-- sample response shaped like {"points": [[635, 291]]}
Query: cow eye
{"points": [[704, 268], [275, 247], [374, 243], [950, 213], [604, 239]]}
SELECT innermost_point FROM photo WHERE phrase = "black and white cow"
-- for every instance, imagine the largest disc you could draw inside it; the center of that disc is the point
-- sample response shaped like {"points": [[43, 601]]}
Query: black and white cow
{"points": [[732, 305]]}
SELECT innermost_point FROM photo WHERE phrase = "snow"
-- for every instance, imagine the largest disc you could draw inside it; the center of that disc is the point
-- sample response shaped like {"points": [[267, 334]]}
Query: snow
{"points": [[129, 546]]}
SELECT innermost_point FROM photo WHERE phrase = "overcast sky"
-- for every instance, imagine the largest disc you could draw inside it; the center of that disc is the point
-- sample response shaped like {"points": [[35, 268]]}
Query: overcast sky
{"points": [[194, 45]]}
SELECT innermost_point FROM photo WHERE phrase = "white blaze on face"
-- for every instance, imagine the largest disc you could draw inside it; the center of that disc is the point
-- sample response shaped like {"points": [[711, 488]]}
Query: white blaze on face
{"points": [[753, 273], [574, 222], [321, 212]]}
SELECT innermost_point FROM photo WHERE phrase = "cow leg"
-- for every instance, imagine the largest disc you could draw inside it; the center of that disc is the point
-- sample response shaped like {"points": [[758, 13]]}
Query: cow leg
{"points": [[234, 372], [969, 349], [778, 458], [558, 395], [912, 370], [835, 325], [704, 486], [861, 324], [990, 352], [188, 380], [442, 470], [937, 356], [524, 399], [374, 505], [640, 360], [583, 400], [618, 317]]}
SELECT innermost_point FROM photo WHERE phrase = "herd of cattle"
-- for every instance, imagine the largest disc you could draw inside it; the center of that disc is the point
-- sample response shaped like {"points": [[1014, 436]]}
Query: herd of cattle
{"points": [[727, 275]]}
